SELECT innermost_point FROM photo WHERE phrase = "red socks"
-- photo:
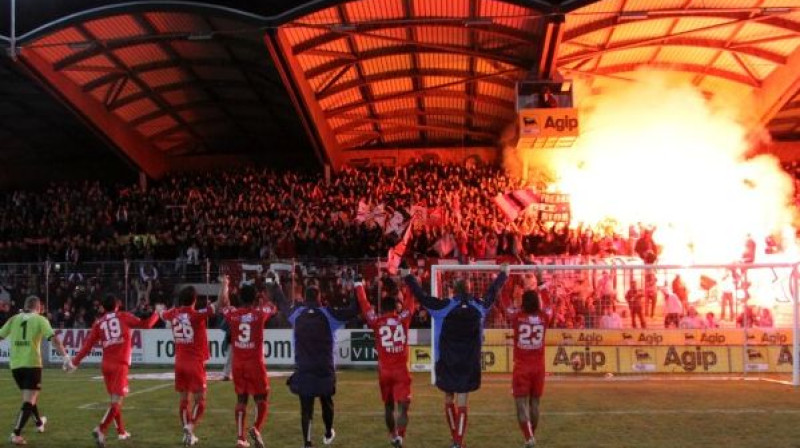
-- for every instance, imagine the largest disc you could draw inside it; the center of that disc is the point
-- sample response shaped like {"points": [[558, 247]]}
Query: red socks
{"points": [[461, 426], [527, 430], [109, 417], [198, 410], [184, 413], [241, 413], [261, 414], [451, 414], [118, 420]]}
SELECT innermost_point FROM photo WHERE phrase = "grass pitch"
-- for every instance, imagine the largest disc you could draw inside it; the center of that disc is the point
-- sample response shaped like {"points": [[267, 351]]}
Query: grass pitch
{"points": [[585, 413]]}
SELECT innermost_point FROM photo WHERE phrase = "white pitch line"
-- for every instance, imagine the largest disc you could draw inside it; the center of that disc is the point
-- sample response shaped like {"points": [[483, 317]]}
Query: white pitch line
{"points": [[138, 392], [544, 413]]}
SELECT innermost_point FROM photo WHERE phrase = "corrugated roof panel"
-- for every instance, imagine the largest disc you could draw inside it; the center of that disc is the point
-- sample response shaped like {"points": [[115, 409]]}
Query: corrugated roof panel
{"points": [[155, 78], [602, 6], [693, 23], [297, 34], [390, 86], [441, 8], [495, 90], [722, 32], [81, 77], [725, 61], [445, 102], [755, 30], [641, 30], [136, 109], [596, 38], [386, 64], [494, 110], [140, 54], [760, 67], [444, 60], [130, 88], [199, 50], [688, 55], [742, 3], [338, 45], [229, 73], [96, 61], [364, 43], [153, 127], [402, 137], [340, 99], [383, 107], [783, 46], [632, 56], [443, 36], [651, 5], [183, 96], [518, 17], [489, 125], [446, 136], [485, 66], [310, 62], [114, 27], [433, 81], [370, 10], [99, 94], [175, 22], [446, 120]]}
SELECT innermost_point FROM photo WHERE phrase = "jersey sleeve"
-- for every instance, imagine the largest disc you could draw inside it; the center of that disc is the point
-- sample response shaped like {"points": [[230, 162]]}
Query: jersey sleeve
{"points": [[47, 329], [366, 307], [134, 322], [169, 314], [88, 343], [409, 308], [431, 303]]}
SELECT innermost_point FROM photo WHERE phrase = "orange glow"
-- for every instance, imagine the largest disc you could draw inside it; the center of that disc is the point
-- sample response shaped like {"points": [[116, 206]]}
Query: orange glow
{"points": [[660, 154]]}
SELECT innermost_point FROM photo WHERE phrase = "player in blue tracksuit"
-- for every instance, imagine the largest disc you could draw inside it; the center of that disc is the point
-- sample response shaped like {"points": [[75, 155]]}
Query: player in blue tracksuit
{"points": [[459, 336], [314, 342]]}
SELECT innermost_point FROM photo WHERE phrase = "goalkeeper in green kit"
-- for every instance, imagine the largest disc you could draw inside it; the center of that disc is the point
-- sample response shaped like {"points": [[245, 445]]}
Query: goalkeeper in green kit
{"points": [[25, 332]]}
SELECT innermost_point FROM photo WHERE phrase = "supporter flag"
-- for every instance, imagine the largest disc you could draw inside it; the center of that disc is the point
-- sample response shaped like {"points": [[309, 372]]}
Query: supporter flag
{"points": [[513, 203], [396, 223], [396, 253], [366, 213]]}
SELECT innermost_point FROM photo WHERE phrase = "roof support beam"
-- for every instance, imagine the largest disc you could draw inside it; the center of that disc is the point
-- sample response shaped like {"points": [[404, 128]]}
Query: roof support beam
{"points": [[438, 90], [414, 75], [778, 88], [412, 47], [357, 121], [692, 68], [131, 143], [302, 95]]}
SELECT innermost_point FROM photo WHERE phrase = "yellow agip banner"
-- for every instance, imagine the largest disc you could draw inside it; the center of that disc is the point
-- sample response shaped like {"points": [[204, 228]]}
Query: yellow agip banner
{"points": [[733, 337], [571, 359]]}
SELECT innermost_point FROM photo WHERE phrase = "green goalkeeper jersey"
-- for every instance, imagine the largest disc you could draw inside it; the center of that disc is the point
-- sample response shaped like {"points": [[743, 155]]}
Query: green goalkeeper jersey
{"points": [[24, 333]]}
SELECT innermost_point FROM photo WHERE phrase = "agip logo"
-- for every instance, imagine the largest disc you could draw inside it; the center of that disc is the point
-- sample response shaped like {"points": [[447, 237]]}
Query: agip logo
{"points": [[690, 360], [580, 360]]}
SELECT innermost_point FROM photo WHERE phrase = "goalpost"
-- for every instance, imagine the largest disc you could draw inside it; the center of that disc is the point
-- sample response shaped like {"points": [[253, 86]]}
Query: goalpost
{"points": [[744, 345]]}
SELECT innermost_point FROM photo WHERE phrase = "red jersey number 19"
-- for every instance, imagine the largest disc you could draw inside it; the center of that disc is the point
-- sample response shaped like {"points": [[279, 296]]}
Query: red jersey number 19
{"points": [[111, 329]]}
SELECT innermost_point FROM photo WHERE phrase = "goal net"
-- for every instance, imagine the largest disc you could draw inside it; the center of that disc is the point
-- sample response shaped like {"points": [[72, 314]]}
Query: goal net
{"points": [[618, 316]]}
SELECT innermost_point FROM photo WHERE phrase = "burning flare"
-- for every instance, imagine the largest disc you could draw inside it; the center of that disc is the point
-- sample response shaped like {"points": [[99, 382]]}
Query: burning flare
{"points": [[660, 154]]}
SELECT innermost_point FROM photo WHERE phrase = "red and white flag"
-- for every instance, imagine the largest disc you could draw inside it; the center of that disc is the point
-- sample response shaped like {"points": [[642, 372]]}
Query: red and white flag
{"points": [[396, 253]]}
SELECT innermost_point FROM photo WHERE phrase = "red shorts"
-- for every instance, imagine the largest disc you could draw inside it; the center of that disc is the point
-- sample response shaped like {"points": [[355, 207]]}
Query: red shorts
{"points": [[250, 379], [528, 382], [190, 376], [395, 385], [116, 379]]}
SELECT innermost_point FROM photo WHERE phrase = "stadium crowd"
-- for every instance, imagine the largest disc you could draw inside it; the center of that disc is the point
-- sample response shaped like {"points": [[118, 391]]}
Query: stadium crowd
{"points": [[195, 221]]}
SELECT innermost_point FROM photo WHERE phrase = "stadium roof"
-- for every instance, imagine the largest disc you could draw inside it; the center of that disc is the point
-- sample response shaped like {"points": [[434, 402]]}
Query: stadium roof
{"points": [[177, 84]]}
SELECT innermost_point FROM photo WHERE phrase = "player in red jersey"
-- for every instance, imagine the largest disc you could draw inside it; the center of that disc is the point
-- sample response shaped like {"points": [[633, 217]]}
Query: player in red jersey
{"points": [[113, 331], [391, 341], [191, 354], [249, 372], [530, 325]]}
